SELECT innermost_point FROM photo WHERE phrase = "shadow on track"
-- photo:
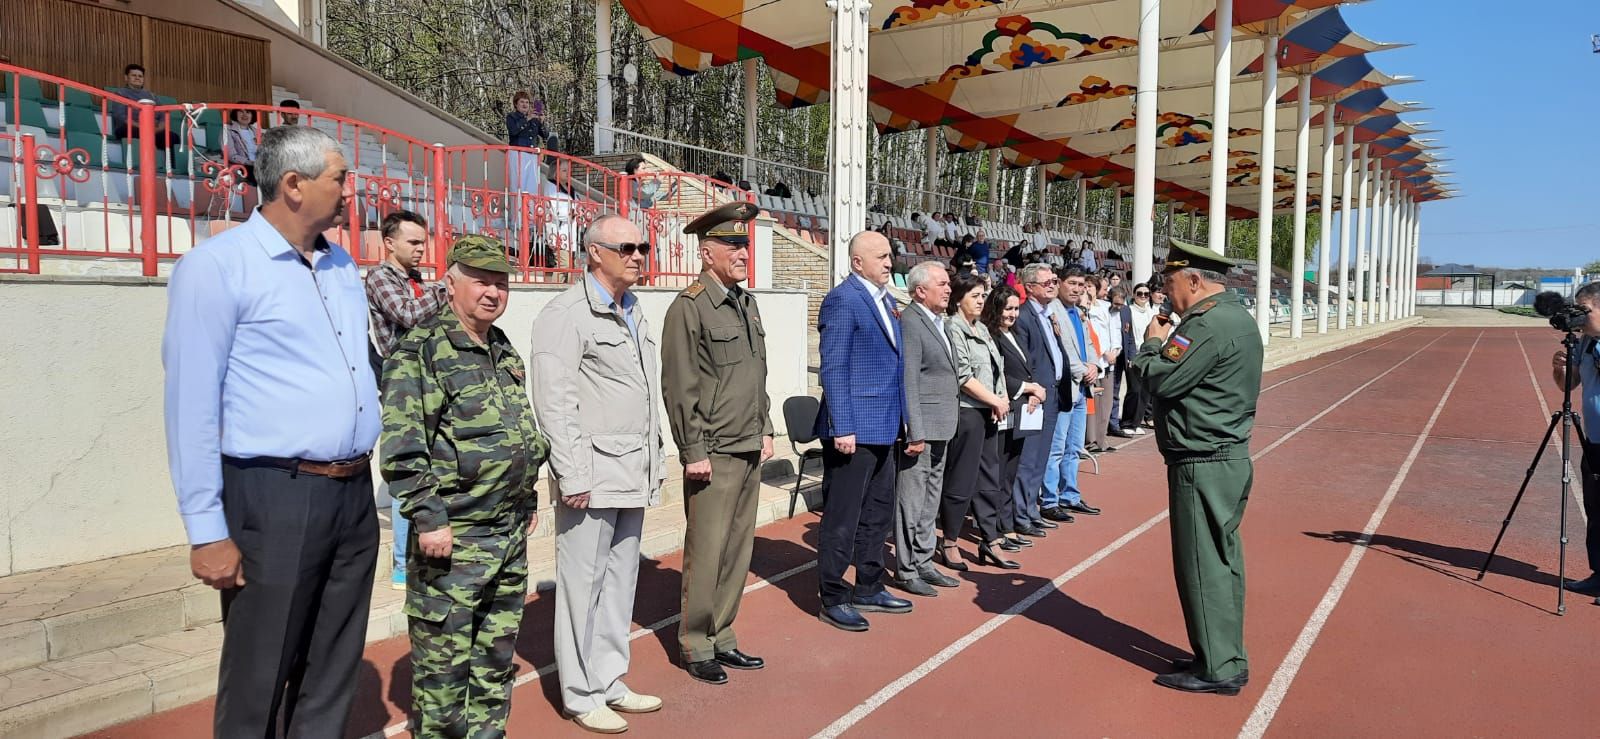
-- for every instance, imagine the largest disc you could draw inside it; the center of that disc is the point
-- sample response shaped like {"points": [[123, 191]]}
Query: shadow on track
{"points": [[1457, 563]]}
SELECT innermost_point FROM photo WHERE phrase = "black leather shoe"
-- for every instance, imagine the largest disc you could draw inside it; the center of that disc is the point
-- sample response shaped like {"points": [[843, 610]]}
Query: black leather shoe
{"points": [[1189, 683], [1587, 586], [1031, 531], [915, 586], [938, 579], [1059, 514], [1020, 541], [707, 671], [1119, 433], [739, 660], [986, 556], [940, 555], [1107, 449], [1185, 664], [1092, 449], [843, 616], [1006, 544], [881, 602], [1045, 523], [1084, 508]]}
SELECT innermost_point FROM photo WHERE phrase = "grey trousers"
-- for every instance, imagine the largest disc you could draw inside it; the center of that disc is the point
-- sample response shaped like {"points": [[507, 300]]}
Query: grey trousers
{"points": [[1101, 420], [597, 569], [916, 509]]}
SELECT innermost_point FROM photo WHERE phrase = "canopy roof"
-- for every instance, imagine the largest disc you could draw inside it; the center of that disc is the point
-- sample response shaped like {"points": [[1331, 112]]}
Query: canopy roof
{"points": [[1051, 83]]}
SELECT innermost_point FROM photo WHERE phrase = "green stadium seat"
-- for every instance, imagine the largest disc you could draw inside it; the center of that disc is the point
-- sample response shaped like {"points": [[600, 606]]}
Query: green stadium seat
{"points": [[90, 143], [31, 113], [28, 88], [83, 120], [82, 98], [210, 117], [166, 100]]}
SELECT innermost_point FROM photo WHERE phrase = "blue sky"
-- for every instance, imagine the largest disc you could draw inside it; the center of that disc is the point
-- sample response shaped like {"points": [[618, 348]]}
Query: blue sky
{"points": [[1514, 89]]}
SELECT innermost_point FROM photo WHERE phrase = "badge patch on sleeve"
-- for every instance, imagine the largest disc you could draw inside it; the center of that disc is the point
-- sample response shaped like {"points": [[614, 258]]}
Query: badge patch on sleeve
{"points": [[1176, 347]]}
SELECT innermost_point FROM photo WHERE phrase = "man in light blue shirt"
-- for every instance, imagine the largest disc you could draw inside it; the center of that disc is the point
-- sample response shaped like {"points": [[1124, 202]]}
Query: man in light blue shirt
{"points": [[1588, 362], [1061, 497], [271, 417]]}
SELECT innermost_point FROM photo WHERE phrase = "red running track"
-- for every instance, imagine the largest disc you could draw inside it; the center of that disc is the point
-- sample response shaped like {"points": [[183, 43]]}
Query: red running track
{"points": [[1418, 438]]}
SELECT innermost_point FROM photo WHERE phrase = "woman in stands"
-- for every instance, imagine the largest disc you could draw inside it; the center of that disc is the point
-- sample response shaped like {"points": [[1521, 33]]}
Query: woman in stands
{"points": [[242, 140], [973, 478], [525, 128]]}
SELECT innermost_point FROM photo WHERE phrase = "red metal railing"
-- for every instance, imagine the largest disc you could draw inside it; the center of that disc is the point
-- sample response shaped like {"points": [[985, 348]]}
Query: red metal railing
{"points": [[150, 183]]}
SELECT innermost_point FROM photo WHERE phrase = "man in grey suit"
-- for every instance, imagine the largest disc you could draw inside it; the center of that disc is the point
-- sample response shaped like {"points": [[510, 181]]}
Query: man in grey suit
{"points": [[930, 422]]}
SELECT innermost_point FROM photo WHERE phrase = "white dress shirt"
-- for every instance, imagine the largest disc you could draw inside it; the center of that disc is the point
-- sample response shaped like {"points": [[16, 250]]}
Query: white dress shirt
{"points": [[879, 294]]}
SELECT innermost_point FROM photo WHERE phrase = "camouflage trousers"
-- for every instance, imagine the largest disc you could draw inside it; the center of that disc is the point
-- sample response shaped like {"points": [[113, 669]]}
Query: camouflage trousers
{"points": [[464, 615]]}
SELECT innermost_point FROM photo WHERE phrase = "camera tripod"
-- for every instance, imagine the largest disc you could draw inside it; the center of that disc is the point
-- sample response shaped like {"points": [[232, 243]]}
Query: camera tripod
{"points": [[1568, 420]]}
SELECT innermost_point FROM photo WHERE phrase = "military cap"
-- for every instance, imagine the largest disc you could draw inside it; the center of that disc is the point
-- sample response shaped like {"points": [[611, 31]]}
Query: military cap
{"points": [[481, 252], [1189, 256], [729, 223]]}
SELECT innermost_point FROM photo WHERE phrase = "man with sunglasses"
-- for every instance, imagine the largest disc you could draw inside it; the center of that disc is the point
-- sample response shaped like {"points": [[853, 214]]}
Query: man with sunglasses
{"points": [[595, 388], [714, 376]]}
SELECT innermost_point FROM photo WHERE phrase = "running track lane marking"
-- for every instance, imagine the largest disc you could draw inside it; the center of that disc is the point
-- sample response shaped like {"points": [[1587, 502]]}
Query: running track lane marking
{"points": [[1544, 407], [1272, 699], [540, 673], [888, 692]]}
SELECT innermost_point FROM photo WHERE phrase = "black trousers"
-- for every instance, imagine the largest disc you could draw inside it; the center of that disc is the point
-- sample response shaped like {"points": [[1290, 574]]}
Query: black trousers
{"points": [[294, 634], [856, 518], [1591, 505], [1010, 461], [972, 477], [1135, 404]]}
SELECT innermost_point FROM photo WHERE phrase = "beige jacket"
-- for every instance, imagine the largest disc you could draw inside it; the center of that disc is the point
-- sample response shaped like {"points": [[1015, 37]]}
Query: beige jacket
{"points": [[596, 391]]}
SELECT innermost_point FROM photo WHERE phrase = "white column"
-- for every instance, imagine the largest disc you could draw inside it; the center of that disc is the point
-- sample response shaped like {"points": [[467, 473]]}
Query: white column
{"points": [[1385, 217], [1325, 242], [1269, 178], [994, 181], [848, 128], [1374, 235], [1363, 268], [603, 138], [1194, 224], [1416, 255], [752, 115], [1302, 155], [1041, 188], [1396, 214], [1222, 81], [930, 171], [1345, 206], [1083, 201]]}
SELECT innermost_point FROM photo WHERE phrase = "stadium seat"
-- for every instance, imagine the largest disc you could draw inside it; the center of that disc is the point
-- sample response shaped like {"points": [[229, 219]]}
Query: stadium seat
{"points": [[82, 98], [84, 120]]}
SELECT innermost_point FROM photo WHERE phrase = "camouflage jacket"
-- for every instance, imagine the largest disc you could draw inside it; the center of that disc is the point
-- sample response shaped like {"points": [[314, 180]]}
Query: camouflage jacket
{"points": [[461, 446]]}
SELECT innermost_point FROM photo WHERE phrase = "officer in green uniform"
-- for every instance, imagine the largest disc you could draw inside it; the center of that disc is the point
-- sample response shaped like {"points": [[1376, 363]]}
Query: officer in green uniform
{"points": [[1205, 378], [464, 452], [714, 382]]}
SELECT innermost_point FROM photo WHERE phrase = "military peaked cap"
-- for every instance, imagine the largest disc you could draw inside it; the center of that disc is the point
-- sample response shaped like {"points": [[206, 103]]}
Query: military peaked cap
{"points": [[729, 223], [1189, 256]]}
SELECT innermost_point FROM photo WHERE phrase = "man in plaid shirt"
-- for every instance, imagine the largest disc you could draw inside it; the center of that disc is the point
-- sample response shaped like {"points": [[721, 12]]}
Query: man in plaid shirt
{"points": [[399, 300]]}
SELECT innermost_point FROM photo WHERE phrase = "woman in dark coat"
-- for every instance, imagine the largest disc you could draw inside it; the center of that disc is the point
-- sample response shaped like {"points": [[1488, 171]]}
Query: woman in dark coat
{"points": [[1000, 313]]}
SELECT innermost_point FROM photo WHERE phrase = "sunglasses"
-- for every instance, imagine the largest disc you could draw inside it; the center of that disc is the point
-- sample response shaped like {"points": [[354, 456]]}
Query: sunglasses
{"points": [[626, 249], [1141, 294], [1046, 283]]}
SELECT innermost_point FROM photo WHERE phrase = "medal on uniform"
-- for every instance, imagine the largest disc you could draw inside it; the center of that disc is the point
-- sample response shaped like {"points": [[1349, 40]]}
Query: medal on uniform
{"points": [[1176, 347]]}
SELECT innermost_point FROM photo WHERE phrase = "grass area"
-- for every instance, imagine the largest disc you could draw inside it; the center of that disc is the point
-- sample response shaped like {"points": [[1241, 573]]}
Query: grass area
{"points": [[1519, 310]]}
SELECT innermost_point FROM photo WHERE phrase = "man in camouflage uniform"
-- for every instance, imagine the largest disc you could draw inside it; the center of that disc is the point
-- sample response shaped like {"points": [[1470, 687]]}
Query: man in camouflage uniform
{"points": [[463, 453], [714, 379]]}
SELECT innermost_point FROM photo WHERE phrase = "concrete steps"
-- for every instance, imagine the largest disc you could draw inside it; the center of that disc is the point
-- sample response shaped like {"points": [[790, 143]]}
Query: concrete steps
{"points": [[87, 646]]}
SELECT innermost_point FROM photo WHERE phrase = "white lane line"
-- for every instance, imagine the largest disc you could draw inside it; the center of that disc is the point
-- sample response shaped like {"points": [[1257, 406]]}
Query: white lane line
{"points": [[540, 673], [1544, 410], [1270, 701], [888, 692]]}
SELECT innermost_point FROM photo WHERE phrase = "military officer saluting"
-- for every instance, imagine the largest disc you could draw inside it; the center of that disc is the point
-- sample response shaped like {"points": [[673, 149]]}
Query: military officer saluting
{"points": [[1205, 378], [714, 378], [463, 452]]}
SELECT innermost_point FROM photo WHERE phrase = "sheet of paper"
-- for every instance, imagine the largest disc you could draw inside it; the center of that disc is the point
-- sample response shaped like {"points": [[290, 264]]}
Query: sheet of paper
{"points": [[1030, 419]]}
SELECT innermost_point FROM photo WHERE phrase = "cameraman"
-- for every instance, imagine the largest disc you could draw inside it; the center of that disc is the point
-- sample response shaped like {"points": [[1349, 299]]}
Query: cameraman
{"points": [[1588, 362]]}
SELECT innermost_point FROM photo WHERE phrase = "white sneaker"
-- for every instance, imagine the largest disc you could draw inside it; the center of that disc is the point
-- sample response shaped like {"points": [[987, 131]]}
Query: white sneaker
{"points": [[1137, 431], [636, 703], [601, 720]]}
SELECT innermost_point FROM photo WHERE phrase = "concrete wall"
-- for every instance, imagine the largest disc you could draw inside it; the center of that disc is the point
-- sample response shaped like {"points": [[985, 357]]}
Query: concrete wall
{"points": [[81, 414]]}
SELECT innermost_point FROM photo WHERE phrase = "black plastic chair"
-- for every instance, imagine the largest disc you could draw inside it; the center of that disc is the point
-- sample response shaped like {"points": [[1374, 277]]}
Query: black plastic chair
{"points": [[800, 417]]}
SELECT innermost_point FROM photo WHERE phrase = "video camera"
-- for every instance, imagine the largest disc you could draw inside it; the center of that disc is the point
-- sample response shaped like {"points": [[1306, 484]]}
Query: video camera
{"points": [[1564, 315]]}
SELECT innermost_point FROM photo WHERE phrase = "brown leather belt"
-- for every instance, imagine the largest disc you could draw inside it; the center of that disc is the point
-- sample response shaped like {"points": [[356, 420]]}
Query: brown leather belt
{"points": [[340, 470]]}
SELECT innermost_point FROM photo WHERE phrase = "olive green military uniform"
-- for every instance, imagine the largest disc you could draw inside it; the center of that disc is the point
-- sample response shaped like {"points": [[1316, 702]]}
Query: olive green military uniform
{"points": [[464, 452], [1205, 380], [713, 378]]}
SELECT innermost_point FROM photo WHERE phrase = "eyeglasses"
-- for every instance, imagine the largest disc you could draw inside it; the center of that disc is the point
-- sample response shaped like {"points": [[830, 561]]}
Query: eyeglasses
{"points": [[1046, 283], [626, 249], [1142, 294]]}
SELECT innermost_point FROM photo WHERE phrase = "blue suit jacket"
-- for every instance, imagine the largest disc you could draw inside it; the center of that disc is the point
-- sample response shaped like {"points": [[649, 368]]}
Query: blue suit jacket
{"points": [[863, 382], [1032, 337]]}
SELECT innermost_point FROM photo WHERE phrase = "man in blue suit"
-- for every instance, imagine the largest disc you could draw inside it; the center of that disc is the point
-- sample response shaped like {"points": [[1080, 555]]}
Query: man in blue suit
{"points": [[863, 408], [1054, 369]]}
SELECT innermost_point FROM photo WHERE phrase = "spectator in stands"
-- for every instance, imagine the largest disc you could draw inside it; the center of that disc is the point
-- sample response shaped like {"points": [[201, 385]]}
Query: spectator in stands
{"points": [[124, 120], [647, 189], [1040, 242], [937, 233], [964, 246], [722, 176], [271, 416], [242, 141], [972, 219], [1122, 326], [399, 300], [287, 118], [780, 190], [525, 128], [745, 186], [1086, 257], [979, 248]]}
